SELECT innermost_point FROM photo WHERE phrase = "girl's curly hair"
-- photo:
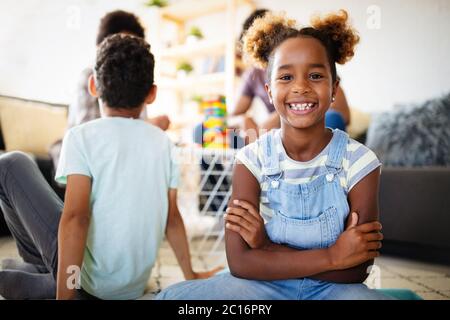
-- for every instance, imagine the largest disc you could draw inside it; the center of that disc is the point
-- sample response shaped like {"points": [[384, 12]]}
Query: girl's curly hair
{"points": [[269, 31]]}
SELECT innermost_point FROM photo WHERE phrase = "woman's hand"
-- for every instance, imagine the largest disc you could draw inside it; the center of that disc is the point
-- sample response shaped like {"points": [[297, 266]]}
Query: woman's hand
{"points": [[246, 220], [357, 244]]}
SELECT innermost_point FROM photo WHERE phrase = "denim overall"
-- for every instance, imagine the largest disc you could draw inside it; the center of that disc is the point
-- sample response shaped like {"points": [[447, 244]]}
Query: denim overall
{"points": [[306, 216]]}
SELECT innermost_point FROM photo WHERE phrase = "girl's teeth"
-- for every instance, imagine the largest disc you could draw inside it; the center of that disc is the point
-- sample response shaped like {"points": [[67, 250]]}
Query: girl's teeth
{"points": [[301, 106]]}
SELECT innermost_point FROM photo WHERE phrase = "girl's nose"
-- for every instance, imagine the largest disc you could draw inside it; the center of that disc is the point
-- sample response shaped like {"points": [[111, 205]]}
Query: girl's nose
{"points": [[301, 86]]}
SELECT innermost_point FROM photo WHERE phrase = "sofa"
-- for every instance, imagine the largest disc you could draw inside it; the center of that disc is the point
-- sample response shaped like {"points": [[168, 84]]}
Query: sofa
{"points": [[31, 126], [415, 212]]}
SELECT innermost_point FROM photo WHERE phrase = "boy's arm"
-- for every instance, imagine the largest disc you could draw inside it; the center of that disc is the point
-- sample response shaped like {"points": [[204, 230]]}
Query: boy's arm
{"points": [[176, 235], [72, 233], [351, 248]]}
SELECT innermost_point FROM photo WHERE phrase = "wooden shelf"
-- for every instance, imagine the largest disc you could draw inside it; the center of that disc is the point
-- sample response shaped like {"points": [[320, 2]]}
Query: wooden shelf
{"points": [[182, 11], [206, 82], [194, 50]]}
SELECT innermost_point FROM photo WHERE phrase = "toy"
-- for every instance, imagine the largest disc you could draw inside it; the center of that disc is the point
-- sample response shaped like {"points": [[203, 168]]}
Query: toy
{"points": [[214, 124]]}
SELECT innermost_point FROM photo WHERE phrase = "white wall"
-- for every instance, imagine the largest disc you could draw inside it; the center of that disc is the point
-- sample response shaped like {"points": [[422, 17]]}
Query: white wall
{"points": [[405, 60], [44, 45]]}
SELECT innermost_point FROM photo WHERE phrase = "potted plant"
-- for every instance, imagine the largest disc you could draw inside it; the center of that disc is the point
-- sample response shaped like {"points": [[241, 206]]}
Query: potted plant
{"points": [[157, 3], [194, 35], [184, 68]]}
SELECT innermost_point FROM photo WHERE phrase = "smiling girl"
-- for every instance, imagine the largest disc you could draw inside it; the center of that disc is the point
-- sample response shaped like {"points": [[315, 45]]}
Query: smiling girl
{"points": [[304, 178]]}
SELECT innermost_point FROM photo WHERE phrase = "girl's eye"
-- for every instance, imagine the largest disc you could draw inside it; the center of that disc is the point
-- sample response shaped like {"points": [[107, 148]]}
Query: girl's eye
{"points": [[316, 76], [285, 77]]}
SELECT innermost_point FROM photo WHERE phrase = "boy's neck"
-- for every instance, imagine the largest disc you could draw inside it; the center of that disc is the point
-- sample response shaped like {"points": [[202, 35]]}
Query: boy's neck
{"points": [[134, 113]]}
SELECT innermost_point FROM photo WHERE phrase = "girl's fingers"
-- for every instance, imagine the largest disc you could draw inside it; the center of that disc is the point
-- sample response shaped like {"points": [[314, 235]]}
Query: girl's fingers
{"points": [[373, 245], [244, 233], [374, 236], [238, 221], [242, 213], [250, 208], [369, 227], [373, 254]]}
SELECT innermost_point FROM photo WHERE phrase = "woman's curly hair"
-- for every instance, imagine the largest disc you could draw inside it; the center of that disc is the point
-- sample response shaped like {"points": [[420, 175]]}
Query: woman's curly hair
{"points": [[124, 71], [269, 31]]}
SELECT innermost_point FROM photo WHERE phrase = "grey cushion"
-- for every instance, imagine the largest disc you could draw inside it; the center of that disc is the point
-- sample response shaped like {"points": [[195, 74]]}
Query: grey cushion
{"points": [[417, 135]]}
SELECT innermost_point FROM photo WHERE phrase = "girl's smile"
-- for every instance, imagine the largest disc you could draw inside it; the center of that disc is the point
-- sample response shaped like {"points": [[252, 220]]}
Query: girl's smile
{"points": [[301, 107]]}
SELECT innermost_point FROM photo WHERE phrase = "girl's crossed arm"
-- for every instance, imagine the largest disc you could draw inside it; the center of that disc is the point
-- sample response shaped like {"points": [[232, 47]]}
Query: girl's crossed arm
{"points": [[269, 261]]}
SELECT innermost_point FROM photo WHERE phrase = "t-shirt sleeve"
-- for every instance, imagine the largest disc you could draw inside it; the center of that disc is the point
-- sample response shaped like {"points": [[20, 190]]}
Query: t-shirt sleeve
{"points": [[361, 162], [248, 84], [174, 176], [249, 156], [72, 159]]}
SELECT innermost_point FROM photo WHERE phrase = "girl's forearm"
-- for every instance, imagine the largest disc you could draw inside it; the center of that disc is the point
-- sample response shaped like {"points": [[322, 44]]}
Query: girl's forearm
{"points": [[356, 274], [261, 264]]}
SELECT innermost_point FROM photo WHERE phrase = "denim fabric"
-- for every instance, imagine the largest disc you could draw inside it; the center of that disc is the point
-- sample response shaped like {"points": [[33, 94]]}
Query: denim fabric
{"points": [[308, 215]]}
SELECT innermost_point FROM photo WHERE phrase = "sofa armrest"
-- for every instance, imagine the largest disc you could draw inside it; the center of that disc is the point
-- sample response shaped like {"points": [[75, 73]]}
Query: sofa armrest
{"points": [[415, 205]]}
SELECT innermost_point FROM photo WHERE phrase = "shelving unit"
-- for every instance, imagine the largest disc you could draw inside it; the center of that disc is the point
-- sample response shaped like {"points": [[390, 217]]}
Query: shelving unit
{"points": [[212, 79]]}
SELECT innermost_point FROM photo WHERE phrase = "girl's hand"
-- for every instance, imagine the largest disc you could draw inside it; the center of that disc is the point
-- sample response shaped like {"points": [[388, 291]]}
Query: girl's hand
{"points": [[246, 220], [357, 244]]}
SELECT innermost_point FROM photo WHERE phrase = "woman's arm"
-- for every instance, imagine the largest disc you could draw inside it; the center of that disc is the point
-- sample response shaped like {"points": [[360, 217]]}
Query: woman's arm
{"points": [[72, 233], [272, 122], [242, 105]]}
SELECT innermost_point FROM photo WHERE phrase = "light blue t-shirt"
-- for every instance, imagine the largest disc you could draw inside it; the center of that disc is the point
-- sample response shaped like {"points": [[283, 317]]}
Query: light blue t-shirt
{"points": [[132, 166]]}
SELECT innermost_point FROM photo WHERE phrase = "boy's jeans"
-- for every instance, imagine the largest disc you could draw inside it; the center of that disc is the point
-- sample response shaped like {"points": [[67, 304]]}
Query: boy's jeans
{"points": [[32, 210]]}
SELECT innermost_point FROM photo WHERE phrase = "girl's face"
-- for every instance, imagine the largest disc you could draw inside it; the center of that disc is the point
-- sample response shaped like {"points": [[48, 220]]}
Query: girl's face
{"points": [[301, 87]]}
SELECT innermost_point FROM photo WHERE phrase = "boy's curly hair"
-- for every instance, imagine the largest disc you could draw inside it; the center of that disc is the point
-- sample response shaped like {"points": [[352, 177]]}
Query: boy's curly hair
{"points": [[119, 21], [332, 30], [124, 71]]}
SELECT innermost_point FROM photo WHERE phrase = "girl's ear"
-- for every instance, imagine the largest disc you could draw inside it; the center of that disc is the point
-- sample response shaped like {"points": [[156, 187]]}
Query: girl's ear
{"points": [[269, 92], [334, 90], [91, 86], [151, 96]]}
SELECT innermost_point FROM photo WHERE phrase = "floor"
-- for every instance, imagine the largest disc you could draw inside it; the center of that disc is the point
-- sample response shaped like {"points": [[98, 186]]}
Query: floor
{"points": [[430, 281]]}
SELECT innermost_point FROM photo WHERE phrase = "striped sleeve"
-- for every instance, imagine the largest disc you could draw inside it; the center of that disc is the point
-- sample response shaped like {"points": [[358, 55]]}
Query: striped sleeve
{"points": [[249, 156], [361, 162]]}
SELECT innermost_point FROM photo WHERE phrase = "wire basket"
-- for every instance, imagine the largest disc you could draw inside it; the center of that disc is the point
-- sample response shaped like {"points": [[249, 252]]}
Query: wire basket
{"points": [[204, 192]]}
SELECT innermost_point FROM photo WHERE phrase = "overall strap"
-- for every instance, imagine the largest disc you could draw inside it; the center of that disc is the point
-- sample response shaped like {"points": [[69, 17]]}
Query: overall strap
{"points": [[271, 161], [338, 148]]}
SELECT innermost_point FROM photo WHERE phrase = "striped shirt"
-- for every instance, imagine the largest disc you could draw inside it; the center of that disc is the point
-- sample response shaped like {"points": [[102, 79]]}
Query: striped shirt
{"points": [[357, 163]]}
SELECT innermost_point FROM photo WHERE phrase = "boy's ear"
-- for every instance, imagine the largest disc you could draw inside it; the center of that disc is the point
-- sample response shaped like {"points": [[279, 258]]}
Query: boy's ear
{"points": [[269, 92], [151, 96], [91, 86]]}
